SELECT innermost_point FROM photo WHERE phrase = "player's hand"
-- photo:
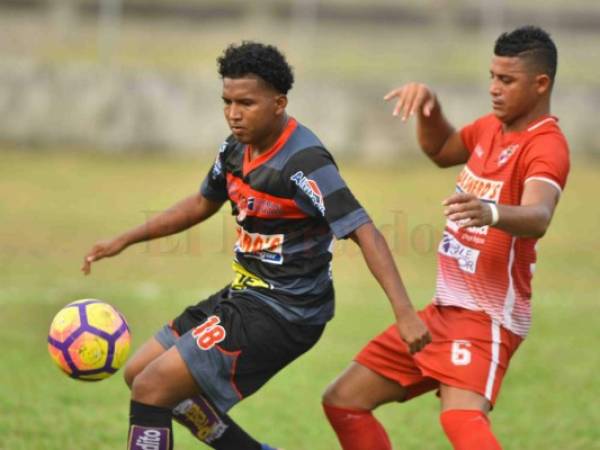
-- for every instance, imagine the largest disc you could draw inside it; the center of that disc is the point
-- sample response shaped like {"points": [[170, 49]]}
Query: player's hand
{"points": [[412, 98], [467, 210], [413, 331], [102, 249]]}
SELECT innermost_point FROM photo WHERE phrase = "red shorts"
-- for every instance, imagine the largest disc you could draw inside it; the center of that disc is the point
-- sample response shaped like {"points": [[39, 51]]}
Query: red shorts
{"points": [[467, 351]]}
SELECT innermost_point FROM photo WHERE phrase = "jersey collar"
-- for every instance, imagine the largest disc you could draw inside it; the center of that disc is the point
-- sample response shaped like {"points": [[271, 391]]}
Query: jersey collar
{"points": [[249, 165], [535, 124]]}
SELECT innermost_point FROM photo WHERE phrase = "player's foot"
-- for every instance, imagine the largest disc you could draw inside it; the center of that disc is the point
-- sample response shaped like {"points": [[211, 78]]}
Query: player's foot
{"points": [[268, 447]]}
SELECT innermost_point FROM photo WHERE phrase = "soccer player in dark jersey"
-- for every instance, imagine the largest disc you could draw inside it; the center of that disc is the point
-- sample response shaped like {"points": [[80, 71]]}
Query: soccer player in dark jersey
{"points": [[289, 202], [516, 162]]}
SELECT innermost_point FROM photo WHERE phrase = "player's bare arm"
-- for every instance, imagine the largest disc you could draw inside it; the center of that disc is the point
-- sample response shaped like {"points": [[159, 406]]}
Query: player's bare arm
{"points": [[181, 216], [530, 219], [381, 264], [437, 137]]}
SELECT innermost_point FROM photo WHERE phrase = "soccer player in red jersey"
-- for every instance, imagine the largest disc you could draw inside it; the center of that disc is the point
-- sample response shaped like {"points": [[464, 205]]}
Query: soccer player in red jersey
{"points": [[289, 202], [516, 162]]}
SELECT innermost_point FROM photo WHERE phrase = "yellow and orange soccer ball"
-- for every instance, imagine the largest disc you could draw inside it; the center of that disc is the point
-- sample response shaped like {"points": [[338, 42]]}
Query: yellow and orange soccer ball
{"points": [[89, 340]]}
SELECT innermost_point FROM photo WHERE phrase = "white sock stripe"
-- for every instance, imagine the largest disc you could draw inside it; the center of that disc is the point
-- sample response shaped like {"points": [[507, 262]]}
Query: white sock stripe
{"points": [[496, 339]]}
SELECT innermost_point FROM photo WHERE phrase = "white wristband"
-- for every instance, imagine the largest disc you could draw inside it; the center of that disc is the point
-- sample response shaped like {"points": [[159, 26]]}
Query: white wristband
{"points": [[495, 215]]}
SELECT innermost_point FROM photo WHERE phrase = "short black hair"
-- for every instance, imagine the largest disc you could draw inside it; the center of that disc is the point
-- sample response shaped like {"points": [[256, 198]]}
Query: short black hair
{"points": [[529, 42], [253, 58]]}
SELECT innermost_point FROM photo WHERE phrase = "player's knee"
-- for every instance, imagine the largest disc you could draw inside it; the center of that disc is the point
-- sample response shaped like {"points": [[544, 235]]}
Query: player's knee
{"points": [[132, 369], [140, 387], [145, 386], [148, 353], [336, 395], [129, 374], [343, 393]]}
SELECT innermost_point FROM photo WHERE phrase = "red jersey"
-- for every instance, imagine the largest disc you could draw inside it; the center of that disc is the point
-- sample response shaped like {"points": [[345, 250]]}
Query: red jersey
{"points": [[485, 268]]}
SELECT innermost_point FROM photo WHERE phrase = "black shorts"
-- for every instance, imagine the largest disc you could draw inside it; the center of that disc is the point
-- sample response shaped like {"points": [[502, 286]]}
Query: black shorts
{"points": [[233, 343]]}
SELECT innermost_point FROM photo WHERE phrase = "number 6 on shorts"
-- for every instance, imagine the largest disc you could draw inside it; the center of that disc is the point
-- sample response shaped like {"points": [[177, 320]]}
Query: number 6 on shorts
{"points": [[461, 355]]}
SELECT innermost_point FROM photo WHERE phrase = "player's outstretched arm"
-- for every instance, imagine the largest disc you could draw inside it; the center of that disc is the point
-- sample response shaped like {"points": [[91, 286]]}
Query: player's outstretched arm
{"points": [[181, 216], [437, 137], [381, 264], [529, 219]]}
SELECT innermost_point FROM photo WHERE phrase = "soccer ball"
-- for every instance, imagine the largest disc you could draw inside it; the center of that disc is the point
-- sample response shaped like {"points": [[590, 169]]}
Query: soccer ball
{"points": [[89, 340]]}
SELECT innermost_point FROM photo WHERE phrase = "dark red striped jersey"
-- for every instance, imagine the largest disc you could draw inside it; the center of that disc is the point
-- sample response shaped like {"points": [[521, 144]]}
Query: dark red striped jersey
{"points": [[289, 203]]}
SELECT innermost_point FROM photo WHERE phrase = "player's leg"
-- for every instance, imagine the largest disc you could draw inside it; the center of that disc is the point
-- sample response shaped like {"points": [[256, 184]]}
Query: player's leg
{"points": [[148, 352], [457, 398], [162, 384], [358, 387], [232, 347], [465, 421], [384, 371], [165, 381], [470, 363], [197, 413], [348, 404]]}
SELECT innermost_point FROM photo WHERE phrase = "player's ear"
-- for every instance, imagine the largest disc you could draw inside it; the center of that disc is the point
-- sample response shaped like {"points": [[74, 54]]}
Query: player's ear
{"points": [[543, 83], [281, 102]]}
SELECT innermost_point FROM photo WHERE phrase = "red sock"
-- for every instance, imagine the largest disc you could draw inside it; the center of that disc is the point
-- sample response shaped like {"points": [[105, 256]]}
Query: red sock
{"points": [[357, 429], [468, 430]]}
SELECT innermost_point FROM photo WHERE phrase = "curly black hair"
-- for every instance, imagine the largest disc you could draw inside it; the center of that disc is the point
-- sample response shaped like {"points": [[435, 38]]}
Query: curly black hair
{"points": [[253, 58], [532, 43]]}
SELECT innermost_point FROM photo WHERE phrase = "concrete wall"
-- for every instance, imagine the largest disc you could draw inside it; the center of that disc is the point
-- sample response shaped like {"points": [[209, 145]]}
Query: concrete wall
{"points": [[117, 110]]}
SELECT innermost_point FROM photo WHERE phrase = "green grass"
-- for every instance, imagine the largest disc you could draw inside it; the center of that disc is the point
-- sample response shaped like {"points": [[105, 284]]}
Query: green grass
{"points": [[54, 206]]}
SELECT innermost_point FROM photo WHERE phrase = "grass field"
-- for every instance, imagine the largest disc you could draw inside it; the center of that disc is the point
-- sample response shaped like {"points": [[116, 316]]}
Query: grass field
{"points": [[54, 206]]}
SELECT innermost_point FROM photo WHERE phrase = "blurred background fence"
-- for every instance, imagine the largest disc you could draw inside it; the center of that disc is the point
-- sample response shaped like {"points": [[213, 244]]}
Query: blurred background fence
{"points": [[123, 75]]}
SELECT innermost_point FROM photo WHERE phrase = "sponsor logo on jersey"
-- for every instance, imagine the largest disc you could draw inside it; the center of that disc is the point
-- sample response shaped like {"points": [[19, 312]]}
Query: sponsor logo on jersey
{"points": [[245, 279], [479, 151], [483, 188], [476, 235], [263, 207], [143, 438], [242, 206], [507, 153], [311, 189], [265, 247], [466, 257], [253, 206]]}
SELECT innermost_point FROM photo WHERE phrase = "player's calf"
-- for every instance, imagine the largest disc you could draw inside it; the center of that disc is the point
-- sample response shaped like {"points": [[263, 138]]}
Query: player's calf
{"points": [[149, 427], [357, 429], [212, 427], [201, 419]]}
